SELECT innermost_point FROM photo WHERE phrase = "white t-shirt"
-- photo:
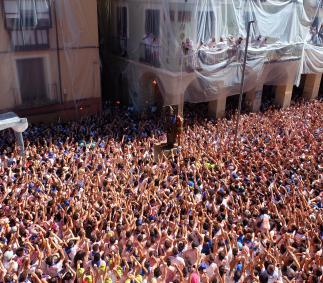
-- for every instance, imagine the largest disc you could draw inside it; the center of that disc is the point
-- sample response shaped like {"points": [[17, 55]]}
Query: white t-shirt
{"points": [[210, 270], [54, 269], [177, 260], [276, 277], [265, 221]]}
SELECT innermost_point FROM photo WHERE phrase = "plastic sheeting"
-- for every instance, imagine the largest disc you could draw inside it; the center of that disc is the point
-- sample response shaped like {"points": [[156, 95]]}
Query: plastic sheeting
{"points": [[204, 39], [11, 121], [49, 52]]}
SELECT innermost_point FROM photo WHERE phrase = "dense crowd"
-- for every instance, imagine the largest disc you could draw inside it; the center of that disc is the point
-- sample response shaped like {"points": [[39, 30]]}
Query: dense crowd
{"points": [[88, 203]]}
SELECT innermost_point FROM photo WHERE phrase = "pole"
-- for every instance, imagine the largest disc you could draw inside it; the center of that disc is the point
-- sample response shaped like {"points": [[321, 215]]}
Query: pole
{"points": [[242, 79], [20, 142], [57, 54]]}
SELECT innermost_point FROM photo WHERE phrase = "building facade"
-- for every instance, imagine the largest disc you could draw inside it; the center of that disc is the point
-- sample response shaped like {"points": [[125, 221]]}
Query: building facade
{"points": [[169, 51], [49, 54]]}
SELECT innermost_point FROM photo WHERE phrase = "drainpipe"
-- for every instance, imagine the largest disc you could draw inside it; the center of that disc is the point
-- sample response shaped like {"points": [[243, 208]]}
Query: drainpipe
{"points": [[58, 56]]}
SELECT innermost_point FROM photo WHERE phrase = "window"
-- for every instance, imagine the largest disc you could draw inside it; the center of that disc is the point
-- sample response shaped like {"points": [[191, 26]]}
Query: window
{"points": [[206, 25], [172, 15], [31, 75], [43, 14], [28, 22], [152, 22], [184, 16], [27, 14], [12, 19], [122, 22]]}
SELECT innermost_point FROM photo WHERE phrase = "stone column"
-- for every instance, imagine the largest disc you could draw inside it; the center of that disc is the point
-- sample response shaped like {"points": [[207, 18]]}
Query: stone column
{"points": [[216, 108], [253, 100], [312, 86], [283, 95], [174, 88]]}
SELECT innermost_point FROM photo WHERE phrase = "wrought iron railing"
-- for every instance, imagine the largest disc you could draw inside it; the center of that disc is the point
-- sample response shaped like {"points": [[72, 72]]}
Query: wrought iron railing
{"points": [[150, 54], [50, 97]]}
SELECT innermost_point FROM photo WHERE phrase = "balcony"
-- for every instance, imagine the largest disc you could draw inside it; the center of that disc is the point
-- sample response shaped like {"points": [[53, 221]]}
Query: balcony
{"points": [[28, 23], [28, 40], [150, 54], [51, 96]]}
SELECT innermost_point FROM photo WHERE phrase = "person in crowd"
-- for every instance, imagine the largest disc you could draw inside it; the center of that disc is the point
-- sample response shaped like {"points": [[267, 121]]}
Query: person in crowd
{"points": [[88, 203]]}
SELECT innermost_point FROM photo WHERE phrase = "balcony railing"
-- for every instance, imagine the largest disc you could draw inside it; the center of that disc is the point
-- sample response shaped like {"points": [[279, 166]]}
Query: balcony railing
{"points": [[150, 54], [198, 59], [50, 97], [28, 40]]}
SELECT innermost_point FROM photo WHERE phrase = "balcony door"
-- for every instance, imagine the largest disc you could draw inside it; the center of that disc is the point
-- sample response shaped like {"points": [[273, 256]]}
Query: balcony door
{"points": [[122, 22], [32, 82], [152, 22]]}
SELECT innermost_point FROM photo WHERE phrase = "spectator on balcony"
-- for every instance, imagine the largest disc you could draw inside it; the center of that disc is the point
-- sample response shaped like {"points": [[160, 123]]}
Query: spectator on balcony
{"points": [[155, 50], [314, 35], [261, 41], [212, 43], [148, 41], [320, 35], [230, 40], [222, 44], [239, 41], [187, 46]]}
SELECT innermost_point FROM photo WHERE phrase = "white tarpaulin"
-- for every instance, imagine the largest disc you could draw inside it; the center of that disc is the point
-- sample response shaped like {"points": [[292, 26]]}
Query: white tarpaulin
{"points": [[11, 121]]}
